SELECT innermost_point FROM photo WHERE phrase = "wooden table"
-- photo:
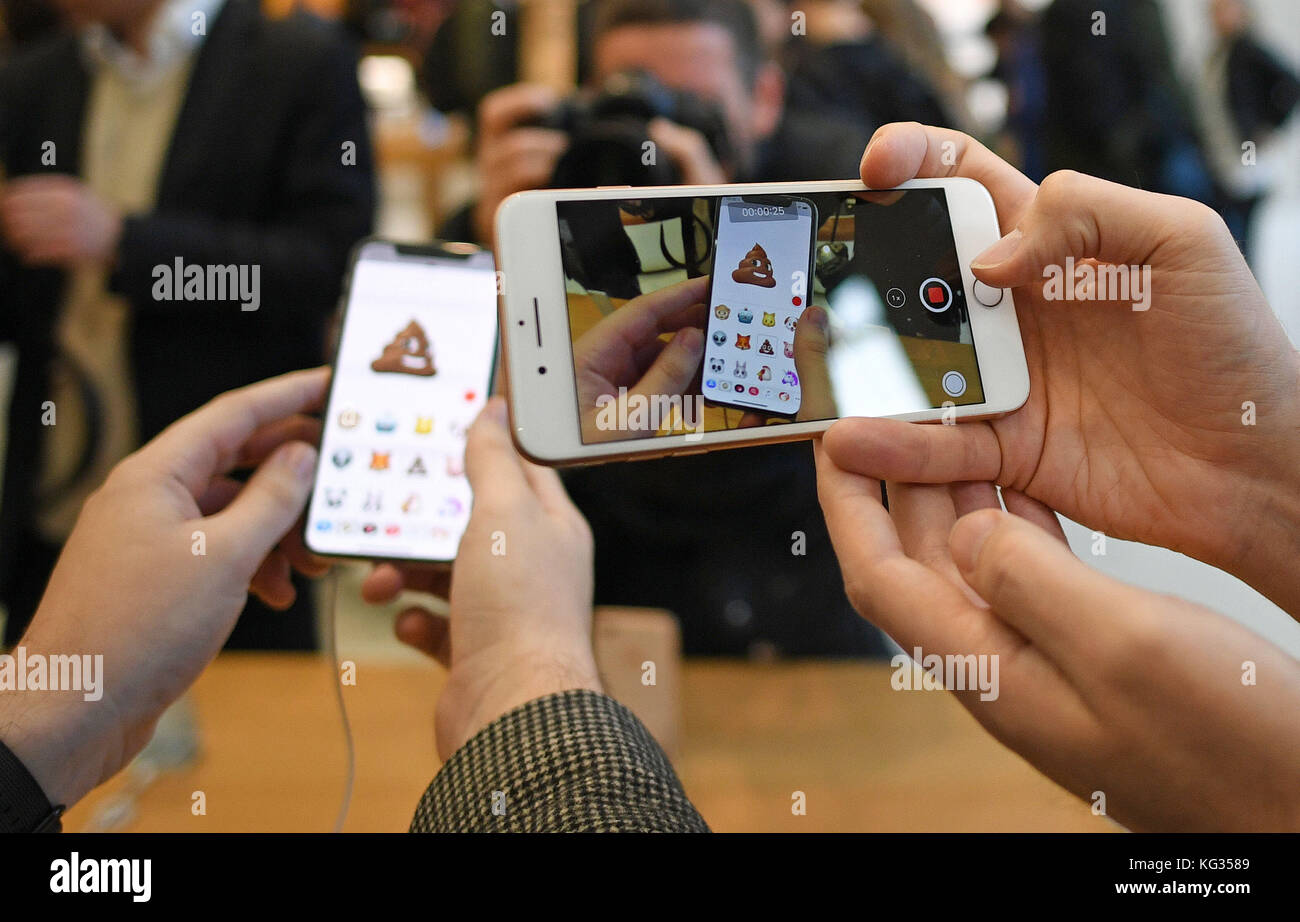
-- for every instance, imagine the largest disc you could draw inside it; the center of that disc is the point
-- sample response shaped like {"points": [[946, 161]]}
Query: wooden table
{"points": [[866, 757]]}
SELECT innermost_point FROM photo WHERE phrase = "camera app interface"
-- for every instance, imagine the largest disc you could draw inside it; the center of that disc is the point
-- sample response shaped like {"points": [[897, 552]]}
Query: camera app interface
{"points": [[697, 314], [413, 370], [764, 261]]}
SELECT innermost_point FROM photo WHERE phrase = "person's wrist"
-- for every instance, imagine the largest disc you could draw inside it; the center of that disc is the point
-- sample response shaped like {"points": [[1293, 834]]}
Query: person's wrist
{"points": [[493, 682], [1265, 542], [63, 741]]}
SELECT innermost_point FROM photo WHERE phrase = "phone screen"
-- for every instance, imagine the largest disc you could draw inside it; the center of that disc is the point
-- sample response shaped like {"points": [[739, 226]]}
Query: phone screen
{"points": [[415, 359], [891, 333], [764, 259]]}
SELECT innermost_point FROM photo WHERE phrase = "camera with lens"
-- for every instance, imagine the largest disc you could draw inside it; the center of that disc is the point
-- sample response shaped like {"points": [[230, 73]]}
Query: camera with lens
{"points": [[609, 127]]}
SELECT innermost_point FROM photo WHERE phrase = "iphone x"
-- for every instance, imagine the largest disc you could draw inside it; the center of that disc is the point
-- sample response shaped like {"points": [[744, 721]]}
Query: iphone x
{"points": [[416, 352]]}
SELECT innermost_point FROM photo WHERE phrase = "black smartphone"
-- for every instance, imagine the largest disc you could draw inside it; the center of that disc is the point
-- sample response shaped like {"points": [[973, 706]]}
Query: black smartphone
{"points": [[760, 285], [416, 354]]}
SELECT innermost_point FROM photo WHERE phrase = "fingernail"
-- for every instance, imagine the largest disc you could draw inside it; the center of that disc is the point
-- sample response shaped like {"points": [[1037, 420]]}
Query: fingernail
{"points": [[300, 458], [817, 316], [1000, 252], [968, 536]]}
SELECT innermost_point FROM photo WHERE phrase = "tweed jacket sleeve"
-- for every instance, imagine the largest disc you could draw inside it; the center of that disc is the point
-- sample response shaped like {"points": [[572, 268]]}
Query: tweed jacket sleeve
{"points": [[577, 761]]}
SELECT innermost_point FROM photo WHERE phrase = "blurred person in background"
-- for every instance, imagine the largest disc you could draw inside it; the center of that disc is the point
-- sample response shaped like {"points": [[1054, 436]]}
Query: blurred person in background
{"points": [[465, 59], [707, 537], [710, 52], [155, 137], [24, 21], [841, 65], [851, 67], [913, 33], [1115, 108], [1015, 32], [1244, 94]]}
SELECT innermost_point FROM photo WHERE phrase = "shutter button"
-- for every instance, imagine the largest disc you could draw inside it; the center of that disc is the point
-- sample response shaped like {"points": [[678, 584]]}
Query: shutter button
{"points": [[987, 294]]}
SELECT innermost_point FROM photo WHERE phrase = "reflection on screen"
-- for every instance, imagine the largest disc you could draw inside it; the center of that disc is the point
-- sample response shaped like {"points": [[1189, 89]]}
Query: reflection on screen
{"points": [[821, 305]]}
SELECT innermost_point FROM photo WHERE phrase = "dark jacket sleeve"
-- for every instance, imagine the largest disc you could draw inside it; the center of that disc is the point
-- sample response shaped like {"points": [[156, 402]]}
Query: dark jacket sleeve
{"points": [[577, 761], [327, 205], [1262, 92], [23, 805]]}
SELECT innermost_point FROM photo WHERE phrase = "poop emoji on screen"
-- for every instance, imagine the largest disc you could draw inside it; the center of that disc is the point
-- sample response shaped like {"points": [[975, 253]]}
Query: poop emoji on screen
{"points": [[407, 354], [755, 269]]}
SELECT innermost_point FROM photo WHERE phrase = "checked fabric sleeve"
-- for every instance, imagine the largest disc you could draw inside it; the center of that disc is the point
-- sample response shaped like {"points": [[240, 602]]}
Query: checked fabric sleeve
{"points": [[577, 761]]}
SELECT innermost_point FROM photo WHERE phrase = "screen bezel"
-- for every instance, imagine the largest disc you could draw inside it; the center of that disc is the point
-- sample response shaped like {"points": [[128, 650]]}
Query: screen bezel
{"points": [[535, 324], [448, 251]]}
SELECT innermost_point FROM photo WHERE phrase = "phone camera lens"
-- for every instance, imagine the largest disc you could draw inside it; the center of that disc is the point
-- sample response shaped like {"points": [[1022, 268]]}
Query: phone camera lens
{"points": [[542, 370]]}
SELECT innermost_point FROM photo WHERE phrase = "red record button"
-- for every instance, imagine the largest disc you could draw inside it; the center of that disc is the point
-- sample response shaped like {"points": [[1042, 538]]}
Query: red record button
{"points": [[936, 295]]}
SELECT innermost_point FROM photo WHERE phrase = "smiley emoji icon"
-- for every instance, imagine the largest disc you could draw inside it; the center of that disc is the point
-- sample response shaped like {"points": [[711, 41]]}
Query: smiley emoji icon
{"points": [[755, 269]]}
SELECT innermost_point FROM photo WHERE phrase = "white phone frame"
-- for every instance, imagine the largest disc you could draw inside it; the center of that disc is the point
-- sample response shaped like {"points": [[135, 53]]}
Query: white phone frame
{"points": [[535, 331]]}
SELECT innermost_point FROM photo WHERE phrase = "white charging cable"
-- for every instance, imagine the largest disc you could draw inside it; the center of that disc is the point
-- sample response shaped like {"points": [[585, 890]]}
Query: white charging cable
{"points": [[332, 653]]}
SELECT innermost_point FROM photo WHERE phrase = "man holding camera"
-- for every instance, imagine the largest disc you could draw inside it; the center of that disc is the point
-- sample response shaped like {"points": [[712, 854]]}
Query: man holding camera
{"points": [[710, 53], [685, 533]]}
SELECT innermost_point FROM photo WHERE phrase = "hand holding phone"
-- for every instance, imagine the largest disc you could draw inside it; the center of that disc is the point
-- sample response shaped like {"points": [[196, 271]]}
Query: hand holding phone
{"points": [[520, 616], [1146, 419], [624, 353]]}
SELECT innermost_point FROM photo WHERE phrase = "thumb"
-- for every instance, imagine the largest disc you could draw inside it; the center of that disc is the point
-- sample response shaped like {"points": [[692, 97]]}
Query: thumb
{"points": [[811, 343], [674, 367], [1034, 583], [1073, 215], [492, 466], [268, 505]]}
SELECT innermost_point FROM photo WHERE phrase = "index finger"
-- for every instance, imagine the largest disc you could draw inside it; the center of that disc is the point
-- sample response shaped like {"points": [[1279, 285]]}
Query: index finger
{"points": [[647, 316], [891, 449], [906, 599], [909, 150], [920, 608], [210, 440]]}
